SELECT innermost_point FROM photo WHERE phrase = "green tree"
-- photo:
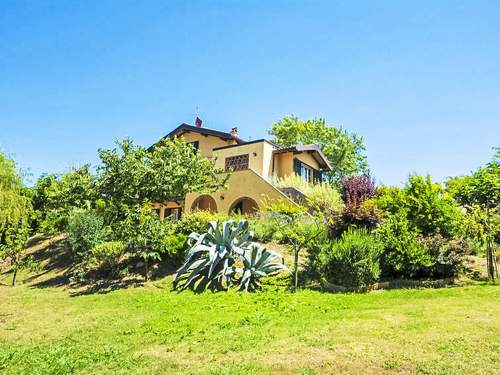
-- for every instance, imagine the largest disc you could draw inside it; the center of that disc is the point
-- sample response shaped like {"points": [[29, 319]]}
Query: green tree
{"points": [[481, 190], [15, 212], [427, 206], [296, 227], [55, 197], [145, 234], [345, 151], [40, 199], [130, 175]]}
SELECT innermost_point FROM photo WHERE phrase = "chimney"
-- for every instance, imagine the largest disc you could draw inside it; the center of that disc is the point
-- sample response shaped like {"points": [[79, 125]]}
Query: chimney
{"points": [[234, 132], [198, 122]]}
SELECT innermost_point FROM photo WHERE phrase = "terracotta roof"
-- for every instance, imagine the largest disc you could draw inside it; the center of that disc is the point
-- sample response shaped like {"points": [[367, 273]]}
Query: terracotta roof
{"points": [[184, 128], [312, 149], [245, 143]]}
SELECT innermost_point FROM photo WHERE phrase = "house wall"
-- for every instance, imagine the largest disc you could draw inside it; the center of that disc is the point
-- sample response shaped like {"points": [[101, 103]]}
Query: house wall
{"points": [[308, 159], [258, 156], [267, 160], [245, 183], [283, 164], [206, 142], [253, 183]]}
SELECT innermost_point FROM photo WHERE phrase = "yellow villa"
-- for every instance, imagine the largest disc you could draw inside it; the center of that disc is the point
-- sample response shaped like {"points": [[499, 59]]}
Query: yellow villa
{"points": [[253, 165]]}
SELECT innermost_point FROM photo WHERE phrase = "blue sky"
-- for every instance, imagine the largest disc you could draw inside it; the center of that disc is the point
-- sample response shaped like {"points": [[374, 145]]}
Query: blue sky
{"points": [[419, 80]]}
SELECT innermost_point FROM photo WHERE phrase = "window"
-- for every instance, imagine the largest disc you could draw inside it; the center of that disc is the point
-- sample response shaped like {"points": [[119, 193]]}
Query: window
{"points": [[195, 144], [173, 213], [308, 173], [237, 163]]}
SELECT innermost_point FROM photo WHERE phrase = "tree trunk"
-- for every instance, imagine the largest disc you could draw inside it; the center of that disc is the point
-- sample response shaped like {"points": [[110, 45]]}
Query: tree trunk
{"points": [[490, 257], [146, 269], [14, 277], [296, 266]]}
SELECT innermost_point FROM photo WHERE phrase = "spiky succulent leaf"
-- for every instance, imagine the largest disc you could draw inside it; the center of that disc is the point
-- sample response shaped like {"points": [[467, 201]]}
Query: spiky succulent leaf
{"points": [[219, 247], [258, 262]]}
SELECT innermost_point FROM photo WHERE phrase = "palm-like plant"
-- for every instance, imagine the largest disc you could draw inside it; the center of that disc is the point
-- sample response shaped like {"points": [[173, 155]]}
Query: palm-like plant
{"points": [[211, 261], [258, 262]]}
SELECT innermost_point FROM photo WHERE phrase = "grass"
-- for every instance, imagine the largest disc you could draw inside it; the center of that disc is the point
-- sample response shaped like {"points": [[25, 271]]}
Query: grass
{"points": [[153, 330], [48, 328]]}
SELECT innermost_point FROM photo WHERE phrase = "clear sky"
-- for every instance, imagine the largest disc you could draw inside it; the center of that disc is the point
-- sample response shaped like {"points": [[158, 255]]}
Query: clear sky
{"points": [[419, 80]]}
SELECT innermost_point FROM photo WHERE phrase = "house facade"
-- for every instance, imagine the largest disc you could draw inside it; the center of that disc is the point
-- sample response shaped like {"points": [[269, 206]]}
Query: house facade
{"points": [[252, 166]]}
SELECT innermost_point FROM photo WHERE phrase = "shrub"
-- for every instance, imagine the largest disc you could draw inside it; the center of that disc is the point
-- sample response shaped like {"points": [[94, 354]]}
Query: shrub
{"points": [[176, 245], [197, 221], [402, 255], [447, 255], [85, 231], [363, 215], [280, 220], [319, 196], [357, 189], [265, 229], [427, 206], [145, 234], [106, 255], [351, 261], [323, 197]]}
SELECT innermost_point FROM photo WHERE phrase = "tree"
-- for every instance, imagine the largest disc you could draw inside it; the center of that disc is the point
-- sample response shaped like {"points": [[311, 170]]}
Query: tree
{"points": [[15, 212], [429, 208], [131, 175], [345, 151], [482, 190], [145, 234], [297, 227], [40, 199], [54, 197]]}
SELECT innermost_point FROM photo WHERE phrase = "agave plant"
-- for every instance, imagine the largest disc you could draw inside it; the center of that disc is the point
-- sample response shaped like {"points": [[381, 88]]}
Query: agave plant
{"points": [[211, 262], [258, 262]]}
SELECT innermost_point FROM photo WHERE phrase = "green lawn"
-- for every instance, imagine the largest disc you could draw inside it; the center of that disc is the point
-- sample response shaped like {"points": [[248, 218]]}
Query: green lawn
{"points": [[153, 330]]}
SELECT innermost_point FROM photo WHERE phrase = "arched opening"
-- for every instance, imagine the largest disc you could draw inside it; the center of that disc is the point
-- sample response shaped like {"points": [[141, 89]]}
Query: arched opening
{"points": [[244, 206], [205, 203]]}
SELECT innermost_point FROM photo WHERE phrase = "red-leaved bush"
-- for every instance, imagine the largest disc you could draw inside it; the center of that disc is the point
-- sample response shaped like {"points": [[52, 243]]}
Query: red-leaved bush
{"points": [[357, 189]]}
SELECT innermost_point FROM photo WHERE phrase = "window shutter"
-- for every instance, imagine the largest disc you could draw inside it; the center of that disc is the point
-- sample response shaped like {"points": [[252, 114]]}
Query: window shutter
{"points": [[296, 166], [318, 176]]}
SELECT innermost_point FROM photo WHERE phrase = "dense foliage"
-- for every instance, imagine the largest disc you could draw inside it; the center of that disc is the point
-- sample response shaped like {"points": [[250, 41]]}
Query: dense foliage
{"points": [[345, 151], [352, 260], [15, 215], [85, 230], [354, 236], [357, 189], [427, 206], [131, 175], [54, 197], [402, 254], [14, 205], [114, 203], [361, 215], [358, 210], [319, 197], [479, 194]]}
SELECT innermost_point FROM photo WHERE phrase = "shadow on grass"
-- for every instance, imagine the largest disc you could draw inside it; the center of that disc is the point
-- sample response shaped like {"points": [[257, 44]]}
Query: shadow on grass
{"points": [[55, 258], [105, 286]]}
